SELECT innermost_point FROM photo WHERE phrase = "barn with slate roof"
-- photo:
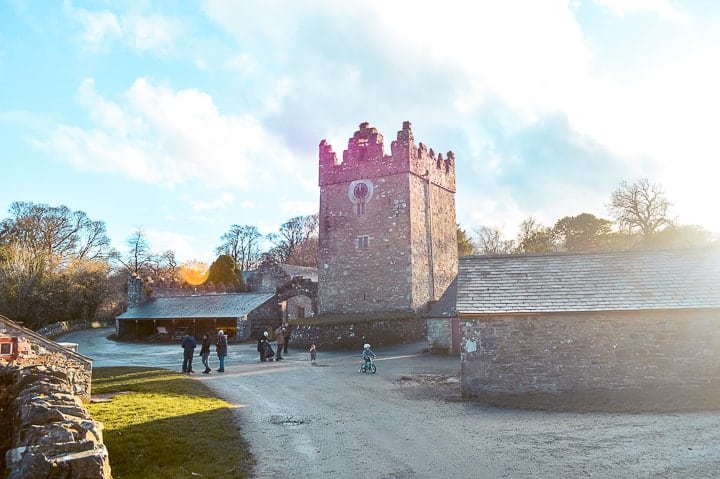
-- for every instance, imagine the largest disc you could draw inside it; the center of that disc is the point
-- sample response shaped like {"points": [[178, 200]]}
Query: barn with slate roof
{"points": [[240, 315], [592, 323]]}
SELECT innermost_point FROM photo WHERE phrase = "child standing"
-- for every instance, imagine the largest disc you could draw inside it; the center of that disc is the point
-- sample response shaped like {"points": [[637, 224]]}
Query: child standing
{"points": [[313, 353]]}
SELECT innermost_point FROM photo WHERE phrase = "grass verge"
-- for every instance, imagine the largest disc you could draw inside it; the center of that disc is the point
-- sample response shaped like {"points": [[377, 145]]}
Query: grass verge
{"points": [[161, 424]]}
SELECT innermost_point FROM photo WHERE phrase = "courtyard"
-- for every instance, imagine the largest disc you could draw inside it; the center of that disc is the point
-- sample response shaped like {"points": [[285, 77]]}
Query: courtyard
{"points": [[408, 420]]}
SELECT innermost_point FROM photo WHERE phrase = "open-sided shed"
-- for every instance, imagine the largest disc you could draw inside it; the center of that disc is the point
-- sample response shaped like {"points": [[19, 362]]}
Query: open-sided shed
{"points": [[240, 315]]}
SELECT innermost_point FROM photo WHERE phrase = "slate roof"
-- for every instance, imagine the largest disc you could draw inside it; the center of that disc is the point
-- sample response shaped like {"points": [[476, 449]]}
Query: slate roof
{"points": [[604, 281], [201, 306]]}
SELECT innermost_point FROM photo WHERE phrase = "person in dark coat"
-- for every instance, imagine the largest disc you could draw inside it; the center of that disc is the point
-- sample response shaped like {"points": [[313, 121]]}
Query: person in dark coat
{"points": [[205, 353], [188, 344], [261, 346], [269, 353], [221, 349]]}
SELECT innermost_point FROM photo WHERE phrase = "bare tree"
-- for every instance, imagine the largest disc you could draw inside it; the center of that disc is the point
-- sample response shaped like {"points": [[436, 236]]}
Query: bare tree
{"points": [[60, 234], [169, 270], [293, 233], [534, 237], [21, 273], [640, 206], [138, 260], [490, 241], [90, 287], [305, 253], [242, 244]]}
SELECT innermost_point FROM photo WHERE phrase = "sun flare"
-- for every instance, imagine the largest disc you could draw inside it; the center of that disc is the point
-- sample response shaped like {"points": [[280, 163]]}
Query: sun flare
{"points": [[194, 272]]}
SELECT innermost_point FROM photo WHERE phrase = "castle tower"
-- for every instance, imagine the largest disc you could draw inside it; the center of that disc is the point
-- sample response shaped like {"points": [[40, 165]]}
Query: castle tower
{"points": [[388, 236]]}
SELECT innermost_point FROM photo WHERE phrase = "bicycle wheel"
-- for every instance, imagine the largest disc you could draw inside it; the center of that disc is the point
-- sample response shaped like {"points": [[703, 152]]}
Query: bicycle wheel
{"points": [[373, 369]]}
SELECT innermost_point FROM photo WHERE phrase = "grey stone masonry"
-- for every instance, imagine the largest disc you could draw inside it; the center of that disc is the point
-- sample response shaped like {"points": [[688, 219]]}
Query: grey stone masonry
{"points": [[387, 238], [52, 435], [593, 352]]}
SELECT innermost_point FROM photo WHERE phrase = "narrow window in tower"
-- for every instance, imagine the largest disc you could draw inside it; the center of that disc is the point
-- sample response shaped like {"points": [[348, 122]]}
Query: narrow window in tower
{"points": [[360, 208], [300, 312], [363, 242]]}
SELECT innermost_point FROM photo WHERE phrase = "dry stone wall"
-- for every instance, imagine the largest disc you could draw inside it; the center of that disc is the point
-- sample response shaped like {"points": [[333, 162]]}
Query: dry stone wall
{"points": [[352, 335], [52, 435], [63, 327]]}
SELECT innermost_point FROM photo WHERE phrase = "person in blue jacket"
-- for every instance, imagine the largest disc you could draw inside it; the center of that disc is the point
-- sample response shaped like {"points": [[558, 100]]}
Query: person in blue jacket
{"points": [[221, 349], [188, 344]]}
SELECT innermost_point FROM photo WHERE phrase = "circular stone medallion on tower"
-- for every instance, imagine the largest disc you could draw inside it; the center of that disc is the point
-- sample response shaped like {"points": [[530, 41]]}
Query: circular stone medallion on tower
{"points": [[360, 191]]}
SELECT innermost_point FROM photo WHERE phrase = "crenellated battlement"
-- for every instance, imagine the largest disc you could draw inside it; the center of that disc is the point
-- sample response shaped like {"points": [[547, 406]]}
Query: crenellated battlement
{"points": [[365, 157]]}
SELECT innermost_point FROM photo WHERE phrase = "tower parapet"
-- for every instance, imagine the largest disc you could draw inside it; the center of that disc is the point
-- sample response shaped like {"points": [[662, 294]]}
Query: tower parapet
{"points": [[387, 239], [365, 157]]}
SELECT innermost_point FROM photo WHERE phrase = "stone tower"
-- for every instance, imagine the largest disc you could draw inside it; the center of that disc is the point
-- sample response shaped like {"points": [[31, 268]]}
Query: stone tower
{"points": [[388, 236]]}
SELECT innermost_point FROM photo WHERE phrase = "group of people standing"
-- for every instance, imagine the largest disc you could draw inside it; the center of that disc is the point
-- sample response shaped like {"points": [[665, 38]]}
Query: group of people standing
{"points": [[264, 348], [188, 344]]}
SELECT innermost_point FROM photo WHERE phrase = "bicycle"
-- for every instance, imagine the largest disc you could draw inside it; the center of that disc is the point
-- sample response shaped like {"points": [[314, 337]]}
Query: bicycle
{"points": [[368, 365]]}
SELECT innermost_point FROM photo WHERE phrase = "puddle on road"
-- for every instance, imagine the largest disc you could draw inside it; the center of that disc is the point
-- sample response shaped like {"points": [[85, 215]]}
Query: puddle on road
{"points": [[286, 421]]}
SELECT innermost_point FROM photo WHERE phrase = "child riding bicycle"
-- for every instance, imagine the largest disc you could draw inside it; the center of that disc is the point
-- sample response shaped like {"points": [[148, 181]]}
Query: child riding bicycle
{"points": [[367, 356]]}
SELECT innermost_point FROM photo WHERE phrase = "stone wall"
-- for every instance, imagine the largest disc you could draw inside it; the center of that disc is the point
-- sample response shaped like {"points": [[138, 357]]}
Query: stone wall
{"points": [[54, 330], [439, 335], [264, 318], [591, 353], [48, 432], [297, 305], [43, 351], [267, 278], [352, 335]]}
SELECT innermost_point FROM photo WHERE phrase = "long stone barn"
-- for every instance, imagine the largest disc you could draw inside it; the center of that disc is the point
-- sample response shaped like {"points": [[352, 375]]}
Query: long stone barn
{"points": [[631, 324], [240, 315]]}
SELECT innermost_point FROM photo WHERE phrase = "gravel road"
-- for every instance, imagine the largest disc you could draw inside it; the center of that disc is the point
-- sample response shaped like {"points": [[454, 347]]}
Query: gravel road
{"points": [[407, 421]]}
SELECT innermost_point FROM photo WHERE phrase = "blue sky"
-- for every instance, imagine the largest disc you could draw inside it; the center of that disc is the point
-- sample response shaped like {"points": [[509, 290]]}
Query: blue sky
{"points": [[185, 117]]}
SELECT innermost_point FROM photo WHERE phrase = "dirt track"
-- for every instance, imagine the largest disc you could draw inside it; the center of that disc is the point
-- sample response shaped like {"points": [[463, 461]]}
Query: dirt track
{"points": [[407, 421]]}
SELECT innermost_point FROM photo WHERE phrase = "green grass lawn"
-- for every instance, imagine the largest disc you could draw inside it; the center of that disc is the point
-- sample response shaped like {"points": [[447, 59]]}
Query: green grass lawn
{"points": [[162, 424]]}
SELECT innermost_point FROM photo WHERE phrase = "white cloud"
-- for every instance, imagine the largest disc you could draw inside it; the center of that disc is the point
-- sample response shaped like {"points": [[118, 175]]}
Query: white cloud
{"points": [[662, 8], [243, 63], [273, 103], [181, 244], [151, 33], [534, 60], [142, 32], [222, 202], [99, 28], [171, 137]]}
